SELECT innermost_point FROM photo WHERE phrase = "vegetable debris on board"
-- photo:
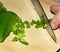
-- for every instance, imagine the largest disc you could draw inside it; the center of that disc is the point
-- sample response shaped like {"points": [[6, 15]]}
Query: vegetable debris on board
{"points": [[10, 22]]}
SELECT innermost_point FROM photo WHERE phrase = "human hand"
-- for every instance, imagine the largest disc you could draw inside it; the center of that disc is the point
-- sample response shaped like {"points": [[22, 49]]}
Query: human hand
{"points": [[55, 23]]}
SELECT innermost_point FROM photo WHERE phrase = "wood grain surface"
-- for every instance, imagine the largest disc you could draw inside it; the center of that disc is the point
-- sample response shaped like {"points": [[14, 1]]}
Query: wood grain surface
{"points": [[39, 39]]}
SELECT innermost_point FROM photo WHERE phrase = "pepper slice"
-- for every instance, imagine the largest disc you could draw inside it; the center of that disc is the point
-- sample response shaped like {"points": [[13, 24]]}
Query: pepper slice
{"points": [[7, 19]]}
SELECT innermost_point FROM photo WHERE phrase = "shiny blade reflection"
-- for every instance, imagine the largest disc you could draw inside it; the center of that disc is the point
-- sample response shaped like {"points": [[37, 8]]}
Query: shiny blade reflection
{"points": [[40, 11]]}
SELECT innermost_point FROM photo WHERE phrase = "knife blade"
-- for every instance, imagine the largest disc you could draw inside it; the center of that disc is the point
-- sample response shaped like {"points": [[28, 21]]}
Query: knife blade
{"points": [[39, 9]]}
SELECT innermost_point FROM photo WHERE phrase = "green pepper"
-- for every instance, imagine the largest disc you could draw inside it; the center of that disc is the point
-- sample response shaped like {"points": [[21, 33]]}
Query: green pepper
{"points": [[6, 21], [2, 8]]}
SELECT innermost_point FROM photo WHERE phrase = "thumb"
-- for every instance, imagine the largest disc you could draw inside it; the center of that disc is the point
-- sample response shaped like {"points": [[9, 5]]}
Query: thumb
{"points": [[55, 21]]}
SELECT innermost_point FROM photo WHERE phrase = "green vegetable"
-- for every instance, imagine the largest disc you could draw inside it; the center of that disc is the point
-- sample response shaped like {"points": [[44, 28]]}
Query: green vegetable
{"points": [[24, 41], [18, 29], [10, 22], [38, 24], [2, 8], [33, 22], [6, 21], [42, 21], [27, 24]]}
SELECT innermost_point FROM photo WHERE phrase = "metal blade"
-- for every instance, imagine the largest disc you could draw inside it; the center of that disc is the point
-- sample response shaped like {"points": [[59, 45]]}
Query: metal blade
{"points": [[38, 7]]}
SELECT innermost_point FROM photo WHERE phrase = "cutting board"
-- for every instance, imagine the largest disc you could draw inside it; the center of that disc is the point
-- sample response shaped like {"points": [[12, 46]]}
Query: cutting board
{"points": [[39, 39]]}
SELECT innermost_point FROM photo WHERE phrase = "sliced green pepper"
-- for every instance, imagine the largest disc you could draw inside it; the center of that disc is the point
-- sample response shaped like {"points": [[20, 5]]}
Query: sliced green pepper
{"points": [[10, 22]]}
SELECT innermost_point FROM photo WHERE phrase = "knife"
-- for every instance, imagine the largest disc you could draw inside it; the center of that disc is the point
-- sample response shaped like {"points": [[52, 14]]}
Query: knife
{"points": [[39, 9]]}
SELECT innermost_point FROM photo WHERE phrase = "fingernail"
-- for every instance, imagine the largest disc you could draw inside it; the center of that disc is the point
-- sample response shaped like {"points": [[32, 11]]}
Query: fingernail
{"points": [[54, 25]]}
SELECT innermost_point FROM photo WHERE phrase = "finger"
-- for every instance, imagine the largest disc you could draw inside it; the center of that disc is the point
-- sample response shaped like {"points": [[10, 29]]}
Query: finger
{"points": [[55, 21], [55, 8]]}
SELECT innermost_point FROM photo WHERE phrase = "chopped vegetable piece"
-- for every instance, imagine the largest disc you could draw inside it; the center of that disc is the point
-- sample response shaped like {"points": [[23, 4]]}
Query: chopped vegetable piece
{"points": [[27, 24], [38, 24], [24, 41], [15, 39], [33, 22], [43, 22]]}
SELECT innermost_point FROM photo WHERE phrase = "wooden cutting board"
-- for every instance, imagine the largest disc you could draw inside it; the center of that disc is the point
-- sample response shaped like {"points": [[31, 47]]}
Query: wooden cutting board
{"points": [[39, 39]]}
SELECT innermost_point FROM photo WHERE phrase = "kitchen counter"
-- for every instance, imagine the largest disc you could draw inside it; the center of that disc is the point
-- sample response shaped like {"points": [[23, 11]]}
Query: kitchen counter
{"points": [[39, 39]]}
